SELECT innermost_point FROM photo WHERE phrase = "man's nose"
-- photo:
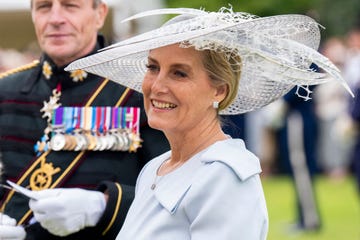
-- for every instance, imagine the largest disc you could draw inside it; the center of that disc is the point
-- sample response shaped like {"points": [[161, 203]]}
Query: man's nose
{"points": [[56, 14]]}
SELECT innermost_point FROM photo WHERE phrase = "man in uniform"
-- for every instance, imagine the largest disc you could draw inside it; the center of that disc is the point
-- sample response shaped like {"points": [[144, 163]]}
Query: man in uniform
{"points": [[82, 137]]}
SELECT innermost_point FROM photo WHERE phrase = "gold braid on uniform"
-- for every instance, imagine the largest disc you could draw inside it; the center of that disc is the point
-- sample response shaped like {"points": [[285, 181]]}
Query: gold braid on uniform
{"points": [[19, 69]]}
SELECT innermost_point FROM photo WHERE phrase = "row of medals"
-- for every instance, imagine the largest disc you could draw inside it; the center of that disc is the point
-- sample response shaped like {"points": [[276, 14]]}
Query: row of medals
{"points": [[117, 140]]}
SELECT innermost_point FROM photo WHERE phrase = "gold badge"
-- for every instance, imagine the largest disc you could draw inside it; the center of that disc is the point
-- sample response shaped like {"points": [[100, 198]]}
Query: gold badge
{"points": [[42, 177], [46, 70], [78, 75]]}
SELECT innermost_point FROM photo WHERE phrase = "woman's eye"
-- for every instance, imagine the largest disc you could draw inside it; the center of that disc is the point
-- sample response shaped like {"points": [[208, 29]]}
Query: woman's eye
{"points": [[180, 74], [152, 67]]}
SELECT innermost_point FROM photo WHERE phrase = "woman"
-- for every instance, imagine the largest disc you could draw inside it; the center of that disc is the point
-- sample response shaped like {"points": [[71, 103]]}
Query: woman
{"points": [[208, 185], [200, 65]]}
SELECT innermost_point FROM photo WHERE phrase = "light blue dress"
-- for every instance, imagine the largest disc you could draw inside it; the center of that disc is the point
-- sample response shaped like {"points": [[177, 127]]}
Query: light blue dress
{"points": [[217, 194]]}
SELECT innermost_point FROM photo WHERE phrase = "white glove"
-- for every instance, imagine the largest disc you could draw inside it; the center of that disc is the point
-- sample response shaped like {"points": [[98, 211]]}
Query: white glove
{"points": [[9, 230], [65, 211]]}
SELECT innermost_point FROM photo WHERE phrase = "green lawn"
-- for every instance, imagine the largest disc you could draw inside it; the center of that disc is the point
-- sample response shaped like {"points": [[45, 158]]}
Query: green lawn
{"points": [[339, 208]]}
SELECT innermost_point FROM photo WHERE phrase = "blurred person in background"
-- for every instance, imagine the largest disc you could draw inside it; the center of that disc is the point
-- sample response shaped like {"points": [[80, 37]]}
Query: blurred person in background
{"points": [[234, 125], [298, 156], [332, 111], [352, 73], [355, 154], [352, 63], [80, 138], [11, 58], [294, 125]]}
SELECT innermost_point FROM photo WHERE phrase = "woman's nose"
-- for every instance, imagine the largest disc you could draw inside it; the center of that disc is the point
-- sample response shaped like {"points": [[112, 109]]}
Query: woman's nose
{"points": [[160, 83]]}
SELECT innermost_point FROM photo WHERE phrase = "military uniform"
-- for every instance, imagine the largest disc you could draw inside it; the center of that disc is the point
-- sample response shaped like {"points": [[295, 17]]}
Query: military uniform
{"points": [[24, 93], [355, 115]]}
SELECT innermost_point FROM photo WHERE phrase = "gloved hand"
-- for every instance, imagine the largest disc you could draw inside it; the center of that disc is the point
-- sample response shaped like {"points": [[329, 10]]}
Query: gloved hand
{"points": [[65, 211], [9, 230]]}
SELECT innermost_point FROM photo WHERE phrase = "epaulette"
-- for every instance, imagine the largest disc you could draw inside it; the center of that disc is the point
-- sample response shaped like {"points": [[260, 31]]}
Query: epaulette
{"points": [[19, 69]]}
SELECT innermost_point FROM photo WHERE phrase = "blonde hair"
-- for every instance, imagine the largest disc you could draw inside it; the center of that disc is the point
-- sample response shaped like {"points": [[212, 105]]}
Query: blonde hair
{"points": [[223, 69]]}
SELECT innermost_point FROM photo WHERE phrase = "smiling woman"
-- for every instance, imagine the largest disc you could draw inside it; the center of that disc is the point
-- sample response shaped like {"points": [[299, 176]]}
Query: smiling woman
{"points": [[197, 66]]}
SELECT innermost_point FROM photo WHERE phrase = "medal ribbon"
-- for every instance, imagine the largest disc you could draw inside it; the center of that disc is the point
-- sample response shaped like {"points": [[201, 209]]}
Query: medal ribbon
{"points": [[107, 119], [115, 118], [58, 119], [77, 118], [87, 118], [129, 117], [93, 120], [74, 162], [97, 120], [136, 120], [123, 117], [68, 119]]}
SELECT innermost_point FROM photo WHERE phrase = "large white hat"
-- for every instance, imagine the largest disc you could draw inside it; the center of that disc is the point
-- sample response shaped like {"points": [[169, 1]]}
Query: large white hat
{"points": [[276, 52]]}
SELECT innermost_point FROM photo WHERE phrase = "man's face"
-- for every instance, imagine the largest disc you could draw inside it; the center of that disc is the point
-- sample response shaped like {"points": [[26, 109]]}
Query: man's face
{"points": [[67, 29]]}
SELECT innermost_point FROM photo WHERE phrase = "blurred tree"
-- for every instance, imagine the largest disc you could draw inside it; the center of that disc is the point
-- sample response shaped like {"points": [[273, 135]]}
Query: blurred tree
{"points": [[336, 16]]}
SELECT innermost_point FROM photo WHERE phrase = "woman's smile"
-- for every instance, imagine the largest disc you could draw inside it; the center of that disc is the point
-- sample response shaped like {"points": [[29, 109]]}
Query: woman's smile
{"points": [[162, 105]]}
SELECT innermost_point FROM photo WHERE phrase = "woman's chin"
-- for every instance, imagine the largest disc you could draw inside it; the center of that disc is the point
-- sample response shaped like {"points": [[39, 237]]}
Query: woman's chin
{"points": [[155, 124]]}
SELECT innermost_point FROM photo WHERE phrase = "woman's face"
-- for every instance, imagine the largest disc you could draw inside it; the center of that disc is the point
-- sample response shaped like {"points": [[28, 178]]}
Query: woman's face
{"points": [[178, 94]]}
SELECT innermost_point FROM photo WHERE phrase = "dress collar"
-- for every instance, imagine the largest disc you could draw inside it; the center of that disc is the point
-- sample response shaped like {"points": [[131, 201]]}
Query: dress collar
{"points": [[231, 152]]}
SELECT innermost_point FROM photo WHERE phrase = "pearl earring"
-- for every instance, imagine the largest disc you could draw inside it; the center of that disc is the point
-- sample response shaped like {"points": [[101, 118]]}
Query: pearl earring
{"points": [[216, 104]]}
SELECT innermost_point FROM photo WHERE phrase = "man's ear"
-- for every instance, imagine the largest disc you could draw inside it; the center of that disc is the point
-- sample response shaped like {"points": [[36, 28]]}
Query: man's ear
{"points": [[101, 13]]}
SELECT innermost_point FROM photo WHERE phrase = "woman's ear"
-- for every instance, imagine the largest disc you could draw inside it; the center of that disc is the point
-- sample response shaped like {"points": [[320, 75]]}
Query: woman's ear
{"points": [[221, 92]]}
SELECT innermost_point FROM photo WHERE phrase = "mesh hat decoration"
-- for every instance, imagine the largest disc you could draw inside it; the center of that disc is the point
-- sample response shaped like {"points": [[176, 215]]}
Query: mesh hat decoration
{"points": [[276, 52]]}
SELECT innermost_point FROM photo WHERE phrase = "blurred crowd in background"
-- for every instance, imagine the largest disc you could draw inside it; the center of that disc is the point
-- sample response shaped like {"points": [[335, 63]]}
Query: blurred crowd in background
{"points": [[331, 140], [334, 134]]}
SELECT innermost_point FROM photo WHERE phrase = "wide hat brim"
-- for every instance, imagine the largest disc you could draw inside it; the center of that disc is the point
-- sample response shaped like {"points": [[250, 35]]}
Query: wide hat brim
{"points": [[276, 53]]}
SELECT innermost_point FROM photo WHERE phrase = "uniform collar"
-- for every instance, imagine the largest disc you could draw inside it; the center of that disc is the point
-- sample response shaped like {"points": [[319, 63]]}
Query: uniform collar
{"points": [[53, 75]]}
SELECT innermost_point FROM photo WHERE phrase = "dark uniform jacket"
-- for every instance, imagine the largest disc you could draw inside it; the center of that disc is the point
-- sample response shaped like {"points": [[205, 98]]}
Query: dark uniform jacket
{"points": [[22, 96], [355, 114]]}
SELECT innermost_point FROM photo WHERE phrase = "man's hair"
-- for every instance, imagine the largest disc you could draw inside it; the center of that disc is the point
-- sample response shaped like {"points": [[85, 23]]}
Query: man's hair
{"points": [[96, 3]]}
